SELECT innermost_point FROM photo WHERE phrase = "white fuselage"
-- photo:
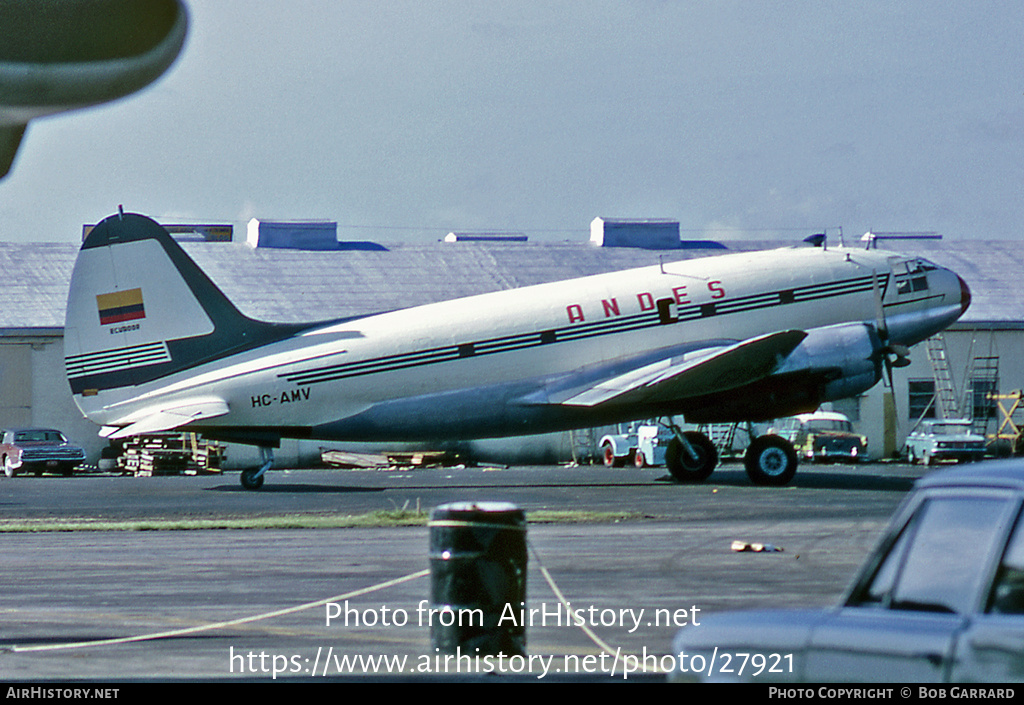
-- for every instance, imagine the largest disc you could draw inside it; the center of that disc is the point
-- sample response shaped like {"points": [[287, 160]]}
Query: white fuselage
{"points": [[486, 365]]}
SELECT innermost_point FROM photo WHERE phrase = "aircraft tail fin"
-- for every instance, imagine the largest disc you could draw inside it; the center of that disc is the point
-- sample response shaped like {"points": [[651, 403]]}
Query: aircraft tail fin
{"points": [[140, 309]]}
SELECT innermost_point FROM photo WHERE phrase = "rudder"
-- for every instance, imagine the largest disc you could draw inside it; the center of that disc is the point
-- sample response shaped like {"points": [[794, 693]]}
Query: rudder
{"points": [[139, 309]]}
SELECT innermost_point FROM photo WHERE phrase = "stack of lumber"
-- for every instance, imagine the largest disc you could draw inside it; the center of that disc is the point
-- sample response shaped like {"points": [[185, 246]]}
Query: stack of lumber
{"points": [[390, 459], [170, 454]]}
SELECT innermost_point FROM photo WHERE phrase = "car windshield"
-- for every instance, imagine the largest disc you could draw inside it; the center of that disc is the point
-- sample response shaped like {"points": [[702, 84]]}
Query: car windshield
{"points": [[1008, 590], [938, 562], [949, 429], [39, 437]]}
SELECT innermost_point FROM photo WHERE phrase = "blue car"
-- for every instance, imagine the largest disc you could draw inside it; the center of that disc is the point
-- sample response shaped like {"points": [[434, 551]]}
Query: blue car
{"points": [[940, 600]]}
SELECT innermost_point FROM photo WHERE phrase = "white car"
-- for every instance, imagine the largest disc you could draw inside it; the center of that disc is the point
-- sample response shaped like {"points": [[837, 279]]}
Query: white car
{"points": [[940, 599], [944, 439]]}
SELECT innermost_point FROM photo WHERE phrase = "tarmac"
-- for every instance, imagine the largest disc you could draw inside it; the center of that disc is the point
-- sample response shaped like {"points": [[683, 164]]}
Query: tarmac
{"points": [[312, 605]]}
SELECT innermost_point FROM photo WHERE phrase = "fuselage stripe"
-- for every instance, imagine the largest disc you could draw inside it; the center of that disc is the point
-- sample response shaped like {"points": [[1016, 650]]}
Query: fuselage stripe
{"points": [[113, 360], [522, 341]]}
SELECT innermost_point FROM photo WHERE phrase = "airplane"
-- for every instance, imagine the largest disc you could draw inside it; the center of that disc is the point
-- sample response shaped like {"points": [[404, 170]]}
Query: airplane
{"points": [[60, 55], [151, 344]]}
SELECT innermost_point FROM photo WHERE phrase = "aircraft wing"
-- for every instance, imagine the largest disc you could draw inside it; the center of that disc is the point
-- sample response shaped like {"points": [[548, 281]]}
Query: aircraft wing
{"points": [[57, 55], [716, 369], [166, 419]]}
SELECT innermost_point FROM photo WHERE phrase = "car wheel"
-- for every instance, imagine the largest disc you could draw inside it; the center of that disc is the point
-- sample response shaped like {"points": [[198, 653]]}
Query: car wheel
{"points": [[685, 468], [639, 459], [9, 469], [911, 457], [770, 460], [608, 453]]}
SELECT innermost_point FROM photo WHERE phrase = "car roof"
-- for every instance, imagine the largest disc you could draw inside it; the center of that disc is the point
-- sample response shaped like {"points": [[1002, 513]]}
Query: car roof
{"points": [[30, 428], [23, 428], [827, 415], [991, 473]]}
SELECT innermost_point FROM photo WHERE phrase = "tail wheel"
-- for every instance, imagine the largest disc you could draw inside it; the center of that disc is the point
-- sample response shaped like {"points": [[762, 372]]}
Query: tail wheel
{"points": [[251, 480], [770, 460], [686, 468]]}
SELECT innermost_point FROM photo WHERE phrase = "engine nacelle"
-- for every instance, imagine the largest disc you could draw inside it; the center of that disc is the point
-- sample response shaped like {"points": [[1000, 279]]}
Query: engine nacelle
{"points": [[830, 363], [847, 358], [58, 55]]}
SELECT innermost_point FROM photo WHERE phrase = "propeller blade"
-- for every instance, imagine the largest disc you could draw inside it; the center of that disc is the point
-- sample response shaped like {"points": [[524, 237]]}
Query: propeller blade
{"points": [[883, 330]]}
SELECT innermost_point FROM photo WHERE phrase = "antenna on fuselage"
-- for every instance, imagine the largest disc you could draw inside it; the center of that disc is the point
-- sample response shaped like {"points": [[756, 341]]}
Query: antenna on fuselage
{"points": [[817, 240], [872, 238]]}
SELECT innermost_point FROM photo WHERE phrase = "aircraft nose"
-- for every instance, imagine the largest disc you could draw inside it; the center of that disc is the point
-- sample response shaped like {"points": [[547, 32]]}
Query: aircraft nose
{"points": [[965, 295]]}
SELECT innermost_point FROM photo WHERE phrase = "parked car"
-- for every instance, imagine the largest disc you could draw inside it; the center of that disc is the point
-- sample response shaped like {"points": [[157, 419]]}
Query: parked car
{"points": [[824, 436], [940, 599], [944, 439], [37, 450]]}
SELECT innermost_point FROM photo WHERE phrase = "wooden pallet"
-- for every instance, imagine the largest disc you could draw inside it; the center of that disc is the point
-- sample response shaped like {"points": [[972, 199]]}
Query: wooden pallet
{"points": [[392, 459], [170, 454]]}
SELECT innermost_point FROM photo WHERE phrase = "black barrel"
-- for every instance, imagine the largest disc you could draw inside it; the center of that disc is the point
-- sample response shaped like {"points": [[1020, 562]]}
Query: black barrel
{"points": [[478, 578]]}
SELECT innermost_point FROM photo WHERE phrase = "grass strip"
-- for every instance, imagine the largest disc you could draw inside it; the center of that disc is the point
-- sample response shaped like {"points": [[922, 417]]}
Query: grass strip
{"points": [[378, 519]]}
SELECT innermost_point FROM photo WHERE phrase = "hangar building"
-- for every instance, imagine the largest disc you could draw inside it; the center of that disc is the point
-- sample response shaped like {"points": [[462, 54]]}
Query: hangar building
{"points": [[286, 283]]}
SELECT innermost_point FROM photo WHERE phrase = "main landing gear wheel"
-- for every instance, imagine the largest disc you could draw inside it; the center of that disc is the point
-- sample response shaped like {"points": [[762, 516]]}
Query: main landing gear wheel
{"points": [[770, 460], [691, 468]]}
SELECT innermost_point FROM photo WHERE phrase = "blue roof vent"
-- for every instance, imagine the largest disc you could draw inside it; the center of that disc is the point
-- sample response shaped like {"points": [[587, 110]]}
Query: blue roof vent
{"points": [[647, 234], [307, 235]]}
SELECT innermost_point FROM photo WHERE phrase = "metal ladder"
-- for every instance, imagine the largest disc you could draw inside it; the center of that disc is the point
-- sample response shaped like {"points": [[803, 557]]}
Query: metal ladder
{"points": [[721, 435], [584, 445], [984, 371], [946, 403]]}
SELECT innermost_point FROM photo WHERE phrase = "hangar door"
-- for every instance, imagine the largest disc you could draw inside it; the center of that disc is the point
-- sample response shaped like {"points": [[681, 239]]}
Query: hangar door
{"points": [[15, 384]]}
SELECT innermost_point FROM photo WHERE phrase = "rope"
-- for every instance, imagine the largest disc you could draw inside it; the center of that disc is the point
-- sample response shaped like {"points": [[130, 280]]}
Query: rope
{"points": [[601, 644], [318, 603], [229, 623]]}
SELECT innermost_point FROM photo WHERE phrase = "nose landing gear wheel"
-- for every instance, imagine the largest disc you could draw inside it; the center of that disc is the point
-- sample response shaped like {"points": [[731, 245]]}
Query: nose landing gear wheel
{"points": [[770, 460]]}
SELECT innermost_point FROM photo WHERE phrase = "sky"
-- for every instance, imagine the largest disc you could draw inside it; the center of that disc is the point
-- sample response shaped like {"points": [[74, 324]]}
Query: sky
{"points": [[407, 120]]}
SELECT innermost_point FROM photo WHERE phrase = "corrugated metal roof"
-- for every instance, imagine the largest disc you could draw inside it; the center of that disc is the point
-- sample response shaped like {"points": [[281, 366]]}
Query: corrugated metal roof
{"points": [[991, 268], [294, 285]]}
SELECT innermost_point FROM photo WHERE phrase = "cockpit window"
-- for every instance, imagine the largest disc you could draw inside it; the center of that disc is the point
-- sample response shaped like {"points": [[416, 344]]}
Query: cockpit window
{"points": [[911, 276]]}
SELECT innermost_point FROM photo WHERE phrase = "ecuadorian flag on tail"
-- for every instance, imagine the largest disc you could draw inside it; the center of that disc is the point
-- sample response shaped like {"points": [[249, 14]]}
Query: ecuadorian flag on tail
{"points": [[120, 306]]}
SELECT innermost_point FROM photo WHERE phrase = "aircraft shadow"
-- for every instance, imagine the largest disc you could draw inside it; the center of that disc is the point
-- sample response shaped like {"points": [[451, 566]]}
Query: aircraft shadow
{"points": [[818, 480], [293, 488]]}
